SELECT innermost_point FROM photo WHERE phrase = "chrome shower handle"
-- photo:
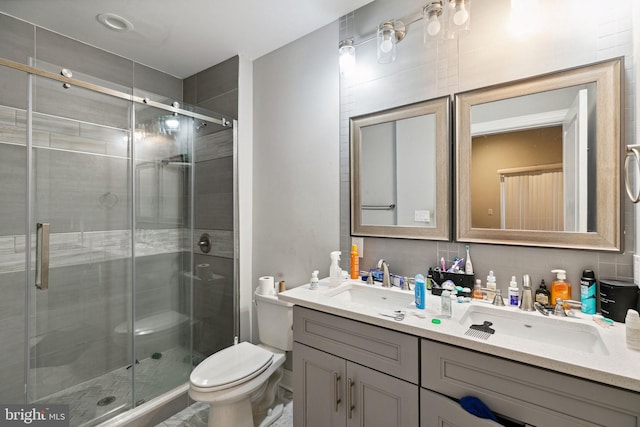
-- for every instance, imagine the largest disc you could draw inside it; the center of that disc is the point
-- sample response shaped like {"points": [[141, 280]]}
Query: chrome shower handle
{"points": [[42, 256]]}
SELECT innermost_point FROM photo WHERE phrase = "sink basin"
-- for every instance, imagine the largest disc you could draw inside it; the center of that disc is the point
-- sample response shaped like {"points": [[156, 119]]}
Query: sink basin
{"points": [[535, 327], [370, 296]]}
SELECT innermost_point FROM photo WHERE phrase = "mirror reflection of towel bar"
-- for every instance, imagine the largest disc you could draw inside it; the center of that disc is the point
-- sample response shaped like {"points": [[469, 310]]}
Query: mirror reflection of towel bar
{"points": [[379, 207]]}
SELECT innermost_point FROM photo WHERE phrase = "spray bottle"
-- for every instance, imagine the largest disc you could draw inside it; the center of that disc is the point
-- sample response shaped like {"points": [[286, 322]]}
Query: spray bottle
{"points": [[335, 272]]}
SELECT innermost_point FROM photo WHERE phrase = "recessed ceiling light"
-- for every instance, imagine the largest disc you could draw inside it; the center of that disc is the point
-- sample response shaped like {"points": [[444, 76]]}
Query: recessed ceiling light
{"points": [[115, 22]]}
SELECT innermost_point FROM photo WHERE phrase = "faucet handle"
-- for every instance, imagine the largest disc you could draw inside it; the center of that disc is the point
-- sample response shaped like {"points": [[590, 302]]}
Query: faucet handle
{"points": [[498, 300]]}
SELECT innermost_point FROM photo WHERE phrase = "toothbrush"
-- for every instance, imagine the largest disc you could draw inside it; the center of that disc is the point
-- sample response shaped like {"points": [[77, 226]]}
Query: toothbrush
{"points": [[442, 264], [468, 267], [456, 265]]}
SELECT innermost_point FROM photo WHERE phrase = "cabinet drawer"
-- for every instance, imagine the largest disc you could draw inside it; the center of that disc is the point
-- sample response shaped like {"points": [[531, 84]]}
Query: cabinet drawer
{"points": [[391, 352], [526, 393]]}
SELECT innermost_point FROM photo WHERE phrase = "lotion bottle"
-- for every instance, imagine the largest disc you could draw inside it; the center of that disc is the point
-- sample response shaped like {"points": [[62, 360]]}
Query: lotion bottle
{"points": [[588, 292], [632, 329], [335, 272], [559, 287], [491, 284], [514, 292], [355, 262]]}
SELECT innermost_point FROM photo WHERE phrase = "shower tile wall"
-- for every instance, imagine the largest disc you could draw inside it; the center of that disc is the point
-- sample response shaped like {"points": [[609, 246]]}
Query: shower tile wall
{"points": [[99, 290], [487, 56], [215, 89]]}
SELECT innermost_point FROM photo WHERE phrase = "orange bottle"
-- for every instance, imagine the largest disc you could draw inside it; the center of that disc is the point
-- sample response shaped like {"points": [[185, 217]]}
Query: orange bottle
{"points": [[559, 287], [355, 262]]}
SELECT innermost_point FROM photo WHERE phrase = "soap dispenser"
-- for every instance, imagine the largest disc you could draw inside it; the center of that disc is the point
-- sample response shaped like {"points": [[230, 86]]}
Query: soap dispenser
{"points": [[559, 287], [313, 284], [335, 272]]}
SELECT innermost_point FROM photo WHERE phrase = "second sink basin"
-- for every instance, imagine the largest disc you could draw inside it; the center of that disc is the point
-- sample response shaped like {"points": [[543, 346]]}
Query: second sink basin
{"points": [[372, 296], [535, 327]]}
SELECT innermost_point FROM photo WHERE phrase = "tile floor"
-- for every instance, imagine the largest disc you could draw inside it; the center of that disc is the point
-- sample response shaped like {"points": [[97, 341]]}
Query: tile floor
{"points": [[197, 414]]}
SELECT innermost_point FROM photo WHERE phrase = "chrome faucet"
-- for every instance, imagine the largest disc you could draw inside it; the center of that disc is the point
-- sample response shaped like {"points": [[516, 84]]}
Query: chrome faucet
{"points": [[386, 277], [526, 303]]}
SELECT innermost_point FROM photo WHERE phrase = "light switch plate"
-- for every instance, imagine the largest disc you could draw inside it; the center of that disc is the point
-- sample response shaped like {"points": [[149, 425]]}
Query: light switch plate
{"points": [[359, 242], [422, 216], [636, 269]]}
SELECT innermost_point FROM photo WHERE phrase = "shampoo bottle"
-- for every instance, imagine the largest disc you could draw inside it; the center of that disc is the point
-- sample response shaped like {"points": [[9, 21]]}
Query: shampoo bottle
{"points": [[491, 284], [514, 292], [588, 292], [335, 272], [355, 262], [559, 287], [420, 291]]}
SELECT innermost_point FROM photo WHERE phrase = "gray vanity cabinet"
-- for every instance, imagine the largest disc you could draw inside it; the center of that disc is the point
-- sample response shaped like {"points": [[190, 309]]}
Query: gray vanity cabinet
{"points": [[341, 373]]}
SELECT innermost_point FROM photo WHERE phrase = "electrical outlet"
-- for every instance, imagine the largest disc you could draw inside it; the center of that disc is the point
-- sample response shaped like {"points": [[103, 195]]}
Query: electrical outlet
{"points": [[359, 242]]}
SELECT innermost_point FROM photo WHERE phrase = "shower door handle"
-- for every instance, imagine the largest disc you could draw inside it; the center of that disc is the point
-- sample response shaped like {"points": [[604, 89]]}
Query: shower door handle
{"points": [[42, 256]]}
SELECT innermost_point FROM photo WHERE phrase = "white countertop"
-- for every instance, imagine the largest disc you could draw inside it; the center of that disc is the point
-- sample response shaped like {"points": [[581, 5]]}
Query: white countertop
{"points": [[620, 367]]}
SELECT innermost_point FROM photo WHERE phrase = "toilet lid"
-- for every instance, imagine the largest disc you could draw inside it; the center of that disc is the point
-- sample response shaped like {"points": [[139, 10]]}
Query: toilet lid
{"points": [[231, 366]]}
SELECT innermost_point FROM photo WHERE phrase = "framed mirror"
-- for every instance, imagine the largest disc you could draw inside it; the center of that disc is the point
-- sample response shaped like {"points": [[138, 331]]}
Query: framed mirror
{"points": [[400, 172], [538, 160]]}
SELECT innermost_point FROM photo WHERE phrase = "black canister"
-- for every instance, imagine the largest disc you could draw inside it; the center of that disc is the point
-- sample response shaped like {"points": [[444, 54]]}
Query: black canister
{"points": [[616, 297]]}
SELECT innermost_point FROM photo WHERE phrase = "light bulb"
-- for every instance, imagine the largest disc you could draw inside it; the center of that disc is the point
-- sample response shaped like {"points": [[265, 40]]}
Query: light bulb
{"points": [[172, 124], [461, 15], [386, 45], [433, 27], [347, 57]]}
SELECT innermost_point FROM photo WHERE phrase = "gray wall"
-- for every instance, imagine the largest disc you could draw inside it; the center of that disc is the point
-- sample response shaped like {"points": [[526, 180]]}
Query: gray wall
{"points": [[295, 157], [216, 89], [488, 55]]}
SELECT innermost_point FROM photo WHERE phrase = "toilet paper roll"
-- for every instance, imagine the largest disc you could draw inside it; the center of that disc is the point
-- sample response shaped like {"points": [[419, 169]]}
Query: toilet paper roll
{"points": [[266, 285]]}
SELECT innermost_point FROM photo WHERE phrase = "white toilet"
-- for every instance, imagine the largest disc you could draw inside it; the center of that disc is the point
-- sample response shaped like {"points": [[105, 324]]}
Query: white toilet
{"points": [[242, 378]]}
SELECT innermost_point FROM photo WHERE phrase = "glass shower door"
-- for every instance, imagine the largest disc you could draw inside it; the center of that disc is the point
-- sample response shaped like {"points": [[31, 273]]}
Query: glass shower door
{"points": [[163, 206], [13, 211], [81, 222]]}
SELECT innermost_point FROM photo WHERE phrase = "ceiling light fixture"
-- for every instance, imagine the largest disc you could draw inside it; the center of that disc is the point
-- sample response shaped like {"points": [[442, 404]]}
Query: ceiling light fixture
{"points": [[441, 18], [115, 22]]}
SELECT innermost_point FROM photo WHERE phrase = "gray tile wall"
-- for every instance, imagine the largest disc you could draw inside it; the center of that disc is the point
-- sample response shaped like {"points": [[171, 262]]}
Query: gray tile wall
{"points": [[215, 89], [488, 55]]}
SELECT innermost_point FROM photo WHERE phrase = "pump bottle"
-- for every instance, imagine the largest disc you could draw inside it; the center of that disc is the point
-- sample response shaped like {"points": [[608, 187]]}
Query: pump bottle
{"points": [[335, 272], [559, 287], [491, 284]]}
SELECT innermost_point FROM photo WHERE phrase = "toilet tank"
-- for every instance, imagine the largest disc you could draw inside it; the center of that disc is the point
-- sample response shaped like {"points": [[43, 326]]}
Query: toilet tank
{"points": [[275, 321]]}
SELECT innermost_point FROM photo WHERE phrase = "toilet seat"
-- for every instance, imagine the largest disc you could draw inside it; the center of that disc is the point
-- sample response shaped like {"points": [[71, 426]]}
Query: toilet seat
{"points": [[230, 367]]}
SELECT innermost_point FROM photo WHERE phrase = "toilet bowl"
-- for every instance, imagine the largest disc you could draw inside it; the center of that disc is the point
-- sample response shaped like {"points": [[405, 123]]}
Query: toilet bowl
{"points": [[241, 378]]}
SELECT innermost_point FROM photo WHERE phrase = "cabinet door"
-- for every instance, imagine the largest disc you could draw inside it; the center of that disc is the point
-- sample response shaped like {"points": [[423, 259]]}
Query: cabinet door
{"points": [[374, 399], [318, 388]]}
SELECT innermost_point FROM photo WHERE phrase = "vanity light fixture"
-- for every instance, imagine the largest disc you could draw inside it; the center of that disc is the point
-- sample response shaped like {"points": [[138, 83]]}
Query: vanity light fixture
{"points": [[441, 18], [432, 25], [347, 56], [388, 35], [458, 14]]}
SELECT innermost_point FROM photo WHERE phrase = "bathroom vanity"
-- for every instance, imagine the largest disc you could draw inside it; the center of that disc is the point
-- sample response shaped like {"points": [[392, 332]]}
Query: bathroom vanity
{"points": [[353, 366]]}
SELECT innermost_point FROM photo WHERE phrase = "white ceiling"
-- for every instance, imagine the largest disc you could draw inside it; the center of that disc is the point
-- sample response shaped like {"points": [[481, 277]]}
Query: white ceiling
{"points": [[184, 37]]}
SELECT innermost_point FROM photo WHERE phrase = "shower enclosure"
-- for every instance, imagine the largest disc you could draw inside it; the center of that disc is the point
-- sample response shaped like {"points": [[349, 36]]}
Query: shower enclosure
{"points": [[96, 242]]}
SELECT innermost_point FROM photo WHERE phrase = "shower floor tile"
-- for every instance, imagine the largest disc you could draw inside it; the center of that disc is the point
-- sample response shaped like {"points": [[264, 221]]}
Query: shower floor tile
{"points": [[83, 398]]}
